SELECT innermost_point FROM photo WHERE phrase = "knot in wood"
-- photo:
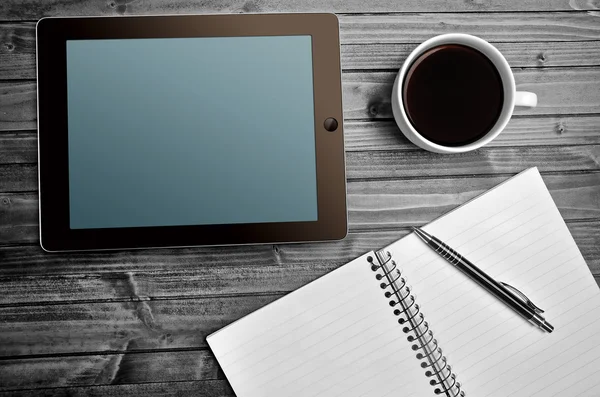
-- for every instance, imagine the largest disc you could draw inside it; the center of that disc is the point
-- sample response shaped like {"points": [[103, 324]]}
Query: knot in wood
{"points": [[542, 57], [373, 110]]}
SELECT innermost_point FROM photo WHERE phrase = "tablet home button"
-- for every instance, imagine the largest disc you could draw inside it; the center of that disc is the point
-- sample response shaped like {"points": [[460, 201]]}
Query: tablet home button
{"points": [[330, 124]]}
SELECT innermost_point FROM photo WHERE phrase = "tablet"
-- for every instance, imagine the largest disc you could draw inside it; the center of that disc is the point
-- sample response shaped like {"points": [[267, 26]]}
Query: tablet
{"points": [[162, 131]]}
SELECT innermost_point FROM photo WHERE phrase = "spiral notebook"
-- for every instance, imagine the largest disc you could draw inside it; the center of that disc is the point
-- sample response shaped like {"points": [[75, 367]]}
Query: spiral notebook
{"points": [[401, 321]]}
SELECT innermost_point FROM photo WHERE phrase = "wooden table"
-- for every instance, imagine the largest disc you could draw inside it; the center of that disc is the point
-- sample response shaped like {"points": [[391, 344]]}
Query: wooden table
{"points": [[134, 322]]}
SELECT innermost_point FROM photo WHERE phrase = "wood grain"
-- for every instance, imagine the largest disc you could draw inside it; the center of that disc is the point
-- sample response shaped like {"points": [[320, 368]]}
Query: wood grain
{"points": [[17, 53], [120, 327], [109, 369], [409, 163], [396, 203], [18, 105], [561, 91], [18, 177], [18, 217], [95, 328], [15, 11], [372, 204], [391, 56], [521, 131], [21, 147], [418, 163], [131, 323], [18, 147], [202, 265], [113, 327], [505, 27], [32, 277], [215, 388], [219, 279]]}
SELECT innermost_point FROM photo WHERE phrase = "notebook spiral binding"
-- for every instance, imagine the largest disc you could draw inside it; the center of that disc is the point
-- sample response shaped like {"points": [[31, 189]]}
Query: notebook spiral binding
{"points": [[416, 327]]}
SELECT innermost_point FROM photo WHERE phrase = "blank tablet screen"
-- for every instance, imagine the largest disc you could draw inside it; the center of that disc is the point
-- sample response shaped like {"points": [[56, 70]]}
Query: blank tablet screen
{"points": [[190, 131]]}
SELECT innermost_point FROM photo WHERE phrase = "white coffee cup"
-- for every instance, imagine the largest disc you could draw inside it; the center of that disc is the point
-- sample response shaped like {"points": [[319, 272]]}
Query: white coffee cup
{"points": [[512, 97]]}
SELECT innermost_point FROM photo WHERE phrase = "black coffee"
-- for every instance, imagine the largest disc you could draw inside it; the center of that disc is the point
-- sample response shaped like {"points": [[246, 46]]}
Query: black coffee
{"points": [[453, 95]]}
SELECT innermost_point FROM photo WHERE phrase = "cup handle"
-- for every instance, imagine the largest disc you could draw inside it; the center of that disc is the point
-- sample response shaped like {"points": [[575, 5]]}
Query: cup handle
{"points": [[524, 98]]}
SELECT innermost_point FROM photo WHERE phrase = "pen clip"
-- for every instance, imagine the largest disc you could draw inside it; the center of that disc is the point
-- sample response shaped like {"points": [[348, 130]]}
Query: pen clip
{"points": [[522, 297]]}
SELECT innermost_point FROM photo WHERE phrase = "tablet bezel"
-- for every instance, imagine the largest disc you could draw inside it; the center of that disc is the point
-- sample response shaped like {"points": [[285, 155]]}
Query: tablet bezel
{"points": [[52, 34]]}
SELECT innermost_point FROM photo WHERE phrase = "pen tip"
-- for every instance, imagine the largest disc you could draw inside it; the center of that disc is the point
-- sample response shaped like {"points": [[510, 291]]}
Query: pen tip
{"points": [[414, 228], [546, 326]]}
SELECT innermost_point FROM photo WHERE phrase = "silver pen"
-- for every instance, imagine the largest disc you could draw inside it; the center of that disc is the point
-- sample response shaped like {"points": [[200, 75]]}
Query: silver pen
{"points": [[511, 296]]}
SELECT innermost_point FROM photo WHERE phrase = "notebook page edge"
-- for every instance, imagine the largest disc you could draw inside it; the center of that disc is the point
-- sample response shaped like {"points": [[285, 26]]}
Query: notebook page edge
{"points": [[535, 186], [406, 361], [374, 252], [432, 222], [498, 186]]}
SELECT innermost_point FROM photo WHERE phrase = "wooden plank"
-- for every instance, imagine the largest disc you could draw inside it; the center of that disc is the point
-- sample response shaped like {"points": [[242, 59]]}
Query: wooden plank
{"points": [[504, 27], [560, 91], [109, 369], [372, 204], [21, 147], [18, 177], [114, 327], [419, 163], [413, 163], [18, 106], [18, 217], [18, 148], [214, 388], [391, 56], [14, 10], [119, 327], [17, 53], [397, 203], [520, 131], [367, 95], [32, 277], [200, 265], [216, 280]]}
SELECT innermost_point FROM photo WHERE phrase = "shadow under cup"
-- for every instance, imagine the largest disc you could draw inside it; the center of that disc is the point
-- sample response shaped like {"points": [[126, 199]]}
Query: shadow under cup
{"points": [[453, 95]]}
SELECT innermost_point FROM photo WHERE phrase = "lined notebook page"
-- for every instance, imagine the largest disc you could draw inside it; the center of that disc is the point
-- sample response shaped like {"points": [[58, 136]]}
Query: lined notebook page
{"points": [[336, 336], [515, 234]]}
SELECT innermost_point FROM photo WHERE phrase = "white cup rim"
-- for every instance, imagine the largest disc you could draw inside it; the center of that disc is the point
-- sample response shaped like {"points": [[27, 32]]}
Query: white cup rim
{"points": [[495, 57]]}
